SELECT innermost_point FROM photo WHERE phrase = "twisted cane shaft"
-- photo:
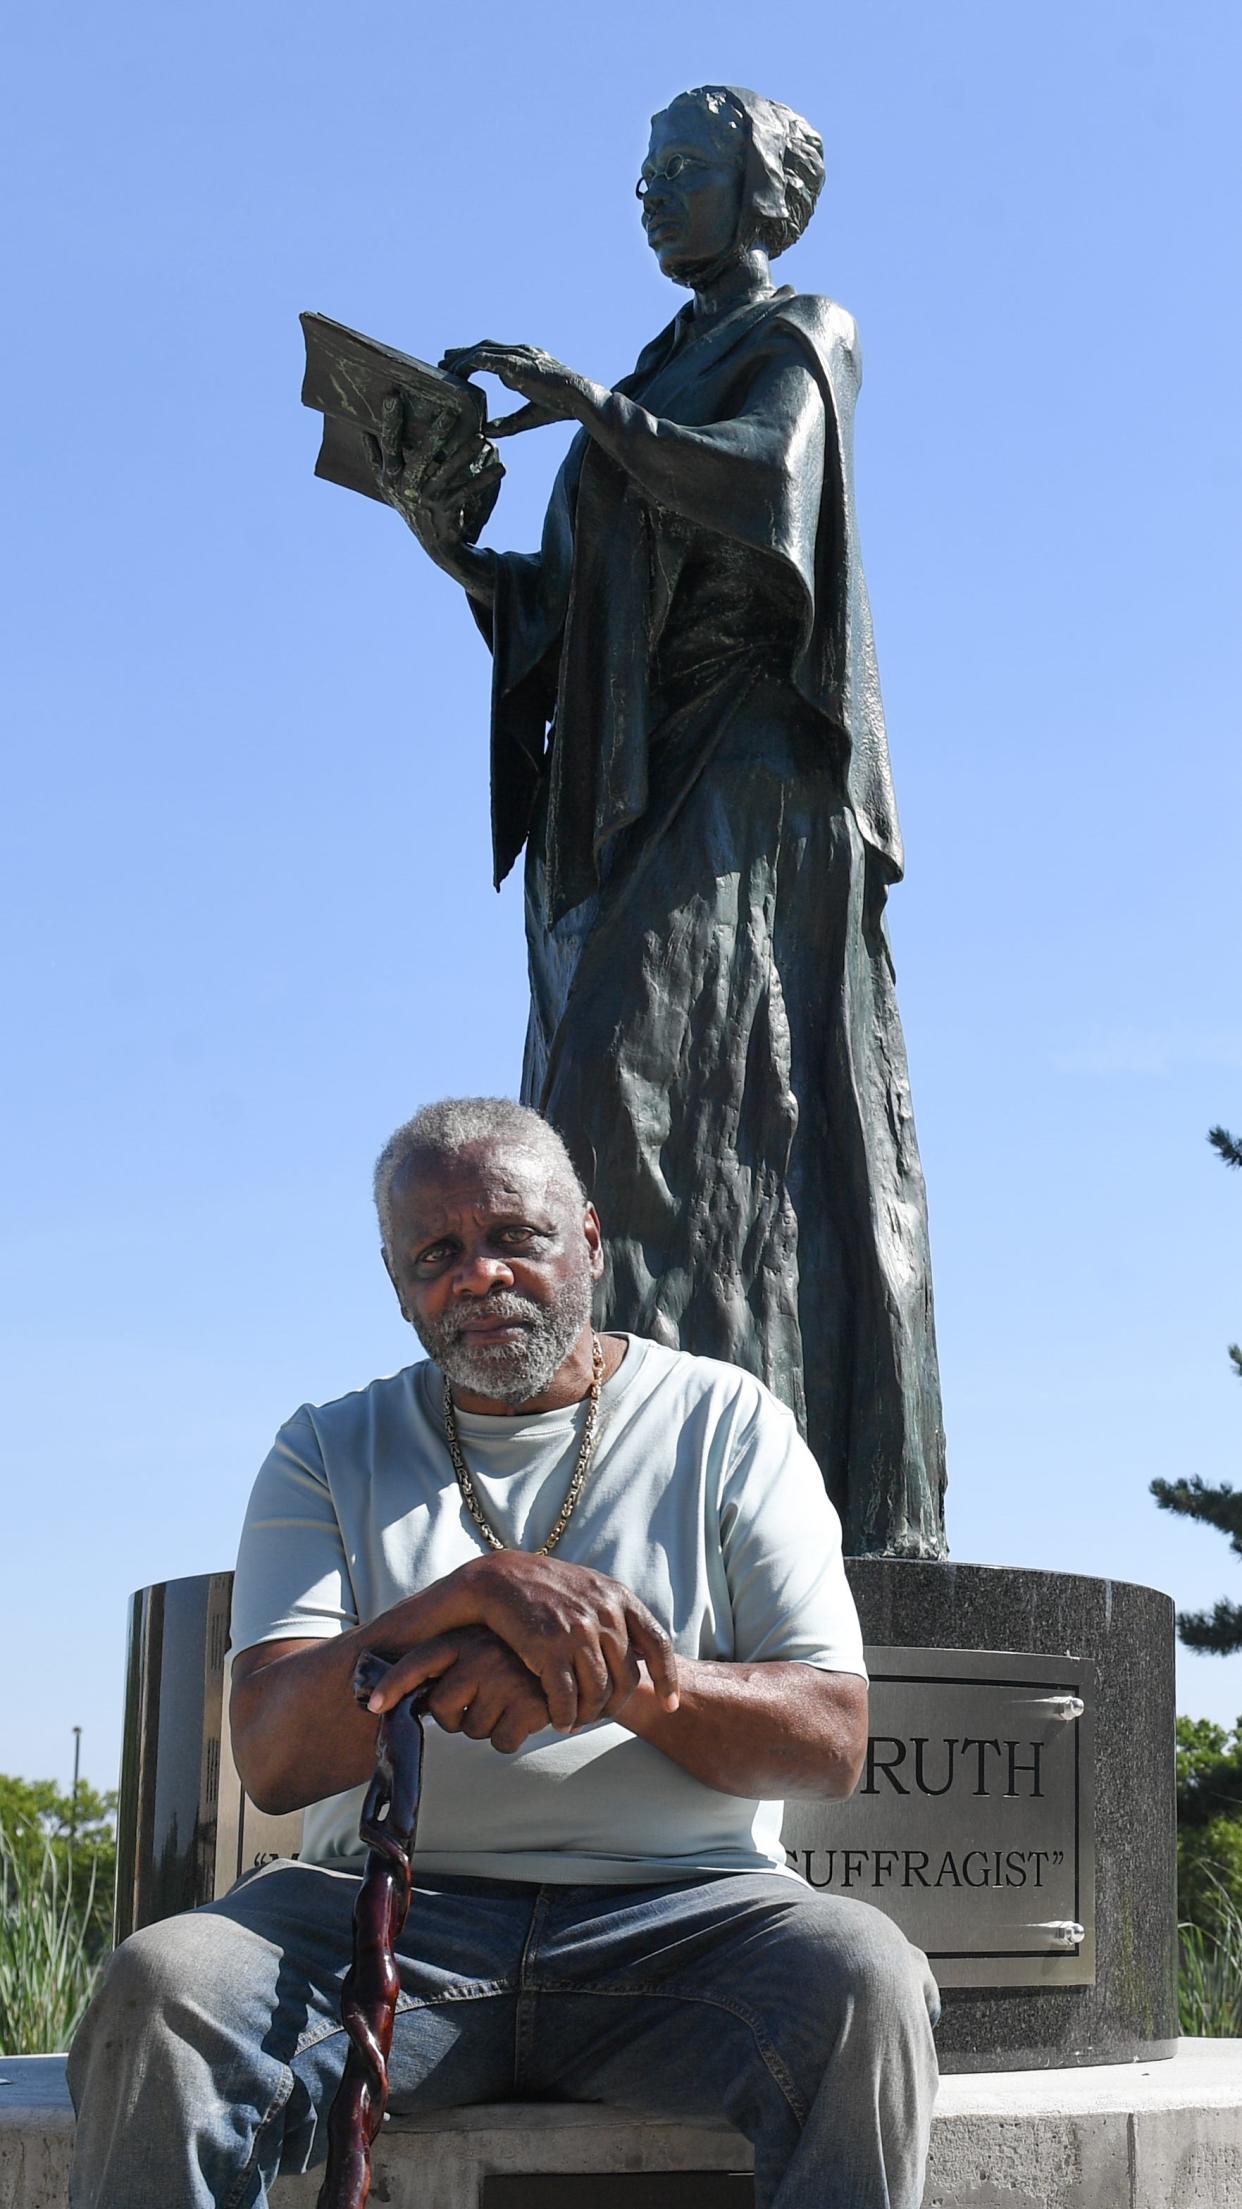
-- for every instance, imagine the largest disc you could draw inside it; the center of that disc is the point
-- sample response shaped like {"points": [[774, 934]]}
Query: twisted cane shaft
{"points": [[369, 1995]]}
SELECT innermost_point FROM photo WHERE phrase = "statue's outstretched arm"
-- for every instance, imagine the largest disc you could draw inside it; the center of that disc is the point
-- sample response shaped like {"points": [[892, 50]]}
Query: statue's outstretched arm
{"points": [[750, 475]]}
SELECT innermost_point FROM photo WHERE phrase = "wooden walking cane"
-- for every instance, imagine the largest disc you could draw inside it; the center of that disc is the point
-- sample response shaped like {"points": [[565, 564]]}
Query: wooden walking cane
{"points": [[369, 1995]]}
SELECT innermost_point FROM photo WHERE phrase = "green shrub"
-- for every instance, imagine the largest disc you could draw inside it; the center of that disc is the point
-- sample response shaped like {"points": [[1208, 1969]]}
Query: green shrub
{"points": [[57, 1879], [1209, 1867], [1209, 1979], [1209, 1824], [80, 1833], [47, 1967]]}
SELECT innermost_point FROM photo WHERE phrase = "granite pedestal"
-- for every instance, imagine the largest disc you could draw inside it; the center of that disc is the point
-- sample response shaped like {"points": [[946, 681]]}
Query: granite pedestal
{"points": [[185, 1831], [1127, 1634]]}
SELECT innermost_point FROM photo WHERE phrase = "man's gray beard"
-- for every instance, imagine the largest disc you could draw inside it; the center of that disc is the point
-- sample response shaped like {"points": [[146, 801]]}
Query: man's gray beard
{"points": [[510, 1372]]}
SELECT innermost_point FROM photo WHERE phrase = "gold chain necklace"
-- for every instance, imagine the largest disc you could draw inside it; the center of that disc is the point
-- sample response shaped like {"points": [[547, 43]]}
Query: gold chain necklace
{"points": [[469, 1494]]}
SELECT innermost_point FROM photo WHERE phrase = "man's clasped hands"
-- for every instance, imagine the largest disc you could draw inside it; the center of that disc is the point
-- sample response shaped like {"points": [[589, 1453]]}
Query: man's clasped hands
{"points": [[554, 1644]]}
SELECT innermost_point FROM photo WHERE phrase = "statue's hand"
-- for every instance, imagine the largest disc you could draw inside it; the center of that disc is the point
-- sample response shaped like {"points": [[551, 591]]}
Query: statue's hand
{"points": [[442, 500], [553, 392]]}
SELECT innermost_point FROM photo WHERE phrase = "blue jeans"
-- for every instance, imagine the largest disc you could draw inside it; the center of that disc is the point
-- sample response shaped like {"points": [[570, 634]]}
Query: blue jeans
{"points": [[208, 2060]]}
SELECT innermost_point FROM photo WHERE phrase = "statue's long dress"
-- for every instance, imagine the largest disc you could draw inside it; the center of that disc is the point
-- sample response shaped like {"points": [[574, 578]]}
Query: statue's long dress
{"points": [[710, 835]]}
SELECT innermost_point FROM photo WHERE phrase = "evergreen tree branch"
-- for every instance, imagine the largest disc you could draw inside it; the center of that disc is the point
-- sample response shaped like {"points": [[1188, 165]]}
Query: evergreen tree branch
{"points": [[1226, 1146], [1218, 1631], [1216, 1504]]}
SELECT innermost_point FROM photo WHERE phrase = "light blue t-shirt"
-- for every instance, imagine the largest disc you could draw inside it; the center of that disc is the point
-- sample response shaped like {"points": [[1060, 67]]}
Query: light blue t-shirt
{"points": [[701, 1498]]}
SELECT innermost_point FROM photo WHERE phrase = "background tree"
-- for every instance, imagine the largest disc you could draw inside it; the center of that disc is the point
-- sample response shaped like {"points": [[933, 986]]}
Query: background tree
{"points": [[40, 1824], [1209, 1760], [1215, 1503]]}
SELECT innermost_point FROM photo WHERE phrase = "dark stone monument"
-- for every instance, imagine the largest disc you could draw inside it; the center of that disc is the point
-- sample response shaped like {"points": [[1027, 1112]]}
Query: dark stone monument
{"points": [[687, 740]]}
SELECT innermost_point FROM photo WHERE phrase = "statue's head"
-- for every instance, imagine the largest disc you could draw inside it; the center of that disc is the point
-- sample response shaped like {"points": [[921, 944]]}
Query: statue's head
{"points": [[726, 171]]}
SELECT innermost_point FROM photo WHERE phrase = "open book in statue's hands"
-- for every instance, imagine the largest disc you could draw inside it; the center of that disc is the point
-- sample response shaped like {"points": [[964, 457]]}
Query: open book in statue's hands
{"points": [[351, 379]]}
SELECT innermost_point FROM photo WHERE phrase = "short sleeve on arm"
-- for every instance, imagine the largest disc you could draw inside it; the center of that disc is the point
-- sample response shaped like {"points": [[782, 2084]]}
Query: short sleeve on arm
{"points": [[293, 1581], [781, 1539]]}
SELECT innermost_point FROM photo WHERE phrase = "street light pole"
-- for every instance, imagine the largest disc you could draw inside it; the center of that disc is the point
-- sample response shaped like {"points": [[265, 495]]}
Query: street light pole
{"points": [[73, 1806]]}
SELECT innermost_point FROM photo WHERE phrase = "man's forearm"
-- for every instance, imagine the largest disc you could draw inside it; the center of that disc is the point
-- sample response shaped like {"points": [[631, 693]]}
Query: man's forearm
{"points": [[297, 1732], [766, 1730]]}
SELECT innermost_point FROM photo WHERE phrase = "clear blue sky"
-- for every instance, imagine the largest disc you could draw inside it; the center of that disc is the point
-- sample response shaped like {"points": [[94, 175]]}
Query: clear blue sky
{"points": [[250, 919]]}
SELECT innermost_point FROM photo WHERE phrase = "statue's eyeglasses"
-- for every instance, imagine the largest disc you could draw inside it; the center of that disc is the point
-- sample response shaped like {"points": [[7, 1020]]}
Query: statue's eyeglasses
{"points": [[676, 165]]}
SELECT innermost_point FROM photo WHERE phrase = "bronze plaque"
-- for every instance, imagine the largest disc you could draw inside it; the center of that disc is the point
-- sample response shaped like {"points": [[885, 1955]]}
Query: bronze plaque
{"points": [[973, 1823]]}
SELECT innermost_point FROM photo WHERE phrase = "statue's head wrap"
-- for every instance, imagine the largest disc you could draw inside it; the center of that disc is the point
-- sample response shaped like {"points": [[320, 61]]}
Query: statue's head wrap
{"points": [[784, 164]]}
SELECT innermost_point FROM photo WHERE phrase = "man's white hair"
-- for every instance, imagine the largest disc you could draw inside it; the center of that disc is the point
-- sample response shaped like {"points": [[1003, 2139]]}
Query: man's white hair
{"points": [[439, 1132]]}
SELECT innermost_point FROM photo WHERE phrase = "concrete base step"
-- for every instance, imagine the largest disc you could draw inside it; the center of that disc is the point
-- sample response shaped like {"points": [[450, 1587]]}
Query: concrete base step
{"points": [[1141, 2136]]}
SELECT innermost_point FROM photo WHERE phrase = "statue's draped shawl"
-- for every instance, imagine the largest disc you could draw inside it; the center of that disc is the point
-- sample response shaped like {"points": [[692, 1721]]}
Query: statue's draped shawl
{"points": [[726, 439]]}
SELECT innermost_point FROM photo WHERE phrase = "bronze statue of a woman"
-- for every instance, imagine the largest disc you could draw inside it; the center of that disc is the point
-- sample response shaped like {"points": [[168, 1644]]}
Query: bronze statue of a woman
{"points": [[688, 739]]}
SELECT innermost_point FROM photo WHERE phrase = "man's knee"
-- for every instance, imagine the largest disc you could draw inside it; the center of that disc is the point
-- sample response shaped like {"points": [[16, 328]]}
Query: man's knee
{"points": [[182, 1966], [178, 1958], [848, 1965], [130, 1994]]}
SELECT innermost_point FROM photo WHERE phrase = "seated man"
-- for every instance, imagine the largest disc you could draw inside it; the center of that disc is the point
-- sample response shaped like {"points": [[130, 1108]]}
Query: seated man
{"points": [[602, 1912]]}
